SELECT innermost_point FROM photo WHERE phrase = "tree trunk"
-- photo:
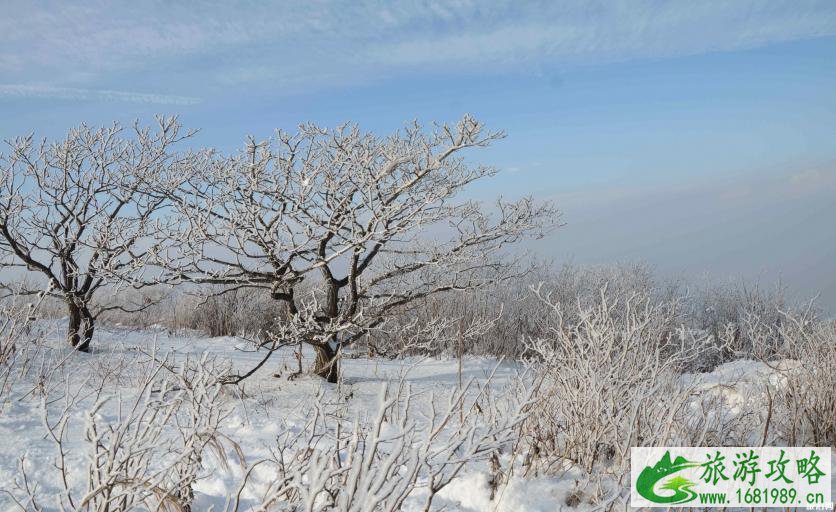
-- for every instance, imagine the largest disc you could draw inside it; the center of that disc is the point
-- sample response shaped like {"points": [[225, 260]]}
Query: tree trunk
{"points": [[327, 365], [80, 328]]}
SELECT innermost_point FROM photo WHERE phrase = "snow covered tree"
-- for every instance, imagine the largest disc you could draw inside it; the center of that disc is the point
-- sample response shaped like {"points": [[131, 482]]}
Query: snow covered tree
{"points": [[375, 223], [79, 211]]}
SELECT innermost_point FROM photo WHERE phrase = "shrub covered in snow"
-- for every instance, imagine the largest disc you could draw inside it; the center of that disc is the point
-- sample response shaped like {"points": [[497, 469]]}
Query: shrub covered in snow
{"points": [[134, 427]]}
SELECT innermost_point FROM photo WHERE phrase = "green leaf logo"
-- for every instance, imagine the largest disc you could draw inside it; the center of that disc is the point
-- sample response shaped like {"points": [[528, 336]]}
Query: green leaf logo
{"points": [[681, 487]]}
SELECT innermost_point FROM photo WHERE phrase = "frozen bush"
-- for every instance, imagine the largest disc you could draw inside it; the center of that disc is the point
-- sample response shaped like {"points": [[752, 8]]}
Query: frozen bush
{"points": [[803, 400], [609, 380], [409, 449], [143, 453]]}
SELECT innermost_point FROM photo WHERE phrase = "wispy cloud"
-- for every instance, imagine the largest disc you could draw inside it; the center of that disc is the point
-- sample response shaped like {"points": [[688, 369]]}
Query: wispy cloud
{"points": [[615, 31], [774, 185], [71, 93], [300, 44]]}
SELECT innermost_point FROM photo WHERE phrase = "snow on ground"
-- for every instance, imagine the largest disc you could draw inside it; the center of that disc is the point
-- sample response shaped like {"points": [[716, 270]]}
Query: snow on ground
{"points": [[270, 405]]}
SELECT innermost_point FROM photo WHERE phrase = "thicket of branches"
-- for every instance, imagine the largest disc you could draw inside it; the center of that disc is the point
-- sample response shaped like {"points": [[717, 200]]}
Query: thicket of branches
{"points": [[600, 376], [729, 320], [331, 238], [379, 222], [79, 213], [743, 319], [358, 245]]}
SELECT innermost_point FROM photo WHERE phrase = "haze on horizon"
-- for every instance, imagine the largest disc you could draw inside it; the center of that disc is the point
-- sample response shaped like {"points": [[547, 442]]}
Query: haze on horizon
{"points": [[698, 138]]}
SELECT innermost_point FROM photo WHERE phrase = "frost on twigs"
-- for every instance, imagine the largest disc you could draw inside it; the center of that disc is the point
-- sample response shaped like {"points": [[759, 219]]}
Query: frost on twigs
{"points": [[608, 380], [409, 448], [804, 395], [142, 453], [79, 213], [376, 223]]}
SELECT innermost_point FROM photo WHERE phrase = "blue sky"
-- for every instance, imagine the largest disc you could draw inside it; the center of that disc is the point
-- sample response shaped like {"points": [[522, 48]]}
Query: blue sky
{"points": [[698, 136]]}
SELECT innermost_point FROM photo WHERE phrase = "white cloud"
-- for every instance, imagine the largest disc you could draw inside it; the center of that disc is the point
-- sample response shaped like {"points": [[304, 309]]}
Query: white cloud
{"points": [[301, 44], [71, 93], [613, 34]]}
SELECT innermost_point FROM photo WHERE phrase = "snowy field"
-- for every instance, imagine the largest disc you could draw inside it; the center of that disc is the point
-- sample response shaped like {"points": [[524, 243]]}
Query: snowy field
{"points": [[94, 403]]}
